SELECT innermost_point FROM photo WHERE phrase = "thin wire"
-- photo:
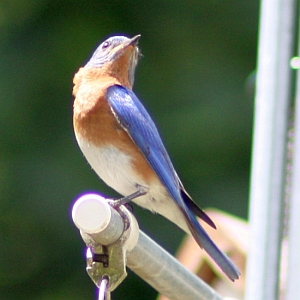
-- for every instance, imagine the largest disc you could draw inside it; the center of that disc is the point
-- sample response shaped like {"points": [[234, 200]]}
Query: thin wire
{"points": [[104, 293]]}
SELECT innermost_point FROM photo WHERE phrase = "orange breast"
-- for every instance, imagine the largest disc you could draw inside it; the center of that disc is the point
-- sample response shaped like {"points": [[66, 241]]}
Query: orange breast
{"points": [[94, 121]]}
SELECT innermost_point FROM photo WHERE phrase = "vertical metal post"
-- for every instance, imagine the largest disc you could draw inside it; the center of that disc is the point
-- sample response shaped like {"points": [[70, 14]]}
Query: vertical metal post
{"points": [[272, 105], [293, 274]]}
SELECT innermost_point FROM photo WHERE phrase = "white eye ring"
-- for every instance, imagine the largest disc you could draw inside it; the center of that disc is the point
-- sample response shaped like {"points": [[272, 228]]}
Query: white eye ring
{"points": [[105, 45]]}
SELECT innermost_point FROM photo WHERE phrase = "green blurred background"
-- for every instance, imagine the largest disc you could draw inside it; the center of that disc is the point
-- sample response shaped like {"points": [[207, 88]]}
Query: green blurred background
{"points": [[197, 56]]}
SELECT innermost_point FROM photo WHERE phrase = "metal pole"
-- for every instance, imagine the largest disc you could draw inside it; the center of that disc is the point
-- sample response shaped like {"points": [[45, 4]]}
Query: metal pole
{"points": [[272, 105], [164, 273], [99, 225], [293, 273]]}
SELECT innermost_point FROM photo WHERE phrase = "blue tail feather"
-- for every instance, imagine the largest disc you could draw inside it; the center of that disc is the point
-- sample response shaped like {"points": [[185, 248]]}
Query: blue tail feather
{"points": [[210, 247]]}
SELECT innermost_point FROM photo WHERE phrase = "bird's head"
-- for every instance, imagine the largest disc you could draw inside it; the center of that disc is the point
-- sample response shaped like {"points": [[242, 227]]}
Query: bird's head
{"points": [[117, 54]]}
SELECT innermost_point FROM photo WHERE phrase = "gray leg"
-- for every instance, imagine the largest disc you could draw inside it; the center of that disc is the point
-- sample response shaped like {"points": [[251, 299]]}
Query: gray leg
{"points": [[142, 190]]}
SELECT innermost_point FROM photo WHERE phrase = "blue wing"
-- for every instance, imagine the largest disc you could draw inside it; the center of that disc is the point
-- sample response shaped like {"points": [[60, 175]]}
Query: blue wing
{"points": [[134, 118]]}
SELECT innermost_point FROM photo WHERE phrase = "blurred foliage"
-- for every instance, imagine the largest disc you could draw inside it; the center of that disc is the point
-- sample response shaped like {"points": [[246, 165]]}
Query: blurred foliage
{"points": [[197, 56]]}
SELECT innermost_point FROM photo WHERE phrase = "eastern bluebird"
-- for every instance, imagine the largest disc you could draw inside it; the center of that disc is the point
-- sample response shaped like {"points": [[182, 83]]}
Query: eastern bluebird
{"points": [[121, 143]]}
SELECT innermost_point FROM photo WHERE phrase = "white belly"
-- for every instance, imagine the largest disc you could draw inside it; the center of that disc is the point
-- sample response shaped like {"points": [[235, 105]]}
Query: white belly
{"points": [[115, 169]]}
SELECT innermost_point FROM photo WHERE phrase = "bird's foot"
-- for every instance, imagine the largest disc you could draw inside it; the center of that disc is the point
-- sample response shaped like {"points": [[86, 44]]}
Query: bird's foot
{"points": [[142, 190], [116, 204]]}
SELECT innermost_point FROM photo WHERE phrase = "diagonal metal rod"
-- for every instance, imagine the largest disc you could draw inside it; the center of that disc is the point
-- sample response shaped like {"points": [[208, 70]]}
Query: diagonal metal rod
{"points": [[272, 110], [163, 272]]}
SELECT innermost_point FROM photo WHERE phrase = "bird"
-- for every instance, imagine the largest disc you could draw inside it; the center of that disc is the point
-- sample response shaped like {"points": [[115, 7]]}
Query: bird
{"points": [[123, 146]]}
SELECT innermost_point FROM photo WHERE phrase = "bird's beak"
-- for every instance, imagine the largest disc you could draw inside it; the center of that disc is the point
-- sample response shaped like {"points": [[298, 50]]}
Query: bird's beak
{"points": [[134, 41], [125, 45]]}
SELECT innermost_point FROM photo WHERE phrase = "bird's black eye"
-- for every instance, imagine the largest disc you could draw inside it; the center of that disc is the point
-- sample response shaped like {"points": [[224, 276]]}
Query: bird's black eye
{"points": [[105, 45]]}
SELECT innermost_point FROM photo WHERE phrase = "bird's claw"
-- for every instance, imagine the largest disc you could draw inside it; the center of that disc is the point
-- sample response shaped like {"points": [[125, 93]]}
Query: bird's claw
{"points": [[142, 190]]}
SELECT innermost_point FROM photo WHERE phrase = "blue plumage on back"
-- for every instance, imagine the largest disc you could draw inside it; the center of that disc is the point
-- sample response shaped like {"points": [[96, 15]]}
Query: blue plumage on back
{"points": [[137, 122]]}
